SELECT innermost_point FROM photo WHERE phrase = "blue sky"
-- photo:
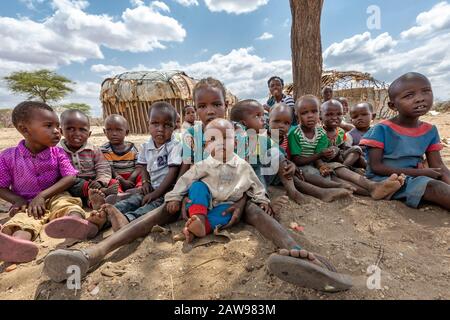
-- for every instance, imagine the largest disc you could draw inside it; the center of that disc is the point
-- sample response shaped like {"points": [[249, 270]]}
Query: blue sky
{"points": [[90, 40]]}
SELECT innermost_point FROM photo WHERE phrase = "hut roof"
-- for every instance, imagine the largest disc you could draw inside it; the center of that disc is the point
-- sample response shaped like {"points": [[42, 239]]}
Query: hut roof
{"points": [[150, 86]]}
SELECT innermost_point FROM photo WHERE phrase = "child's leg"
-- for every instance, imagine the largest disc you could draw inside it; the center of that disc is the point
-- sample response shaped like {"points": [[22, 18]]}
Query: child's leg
{"points": [[351, 159], [200, 198], [312, 175], [292, 192], [357, 189], [378, 190], [438, 192], [326, 195]]}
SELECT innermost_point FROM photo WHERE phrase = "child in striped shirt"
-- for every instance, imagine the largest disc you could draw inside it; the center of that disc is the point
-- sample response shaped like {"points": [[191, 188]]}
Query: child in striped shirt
{"points": [[121, 155]]}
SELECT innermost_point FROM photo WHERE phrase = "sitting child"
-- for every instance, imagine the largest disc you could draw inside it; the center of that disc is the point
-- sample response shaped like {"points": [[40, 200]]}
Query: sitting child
{"points": [[362, 116], [189, 116], [266, 158], [345, 124], [121, 154], [94, 171], [34, 177], [216, 183], [158, 162], [350, 156], [397, 146]]}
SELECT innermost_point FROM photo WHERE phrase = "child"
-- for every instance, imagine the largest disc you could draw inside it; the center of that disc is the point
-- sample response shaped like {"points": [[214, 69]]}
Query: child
{"points": [[276, 86], [34, 177], [214, 184], [158, 162], [94, 172], [189, 116], [345, 124], [362, 116], [331, 116], [121, 154], [337, 137], [308, 144], [397, 146], [265, 157], [327, 93]]}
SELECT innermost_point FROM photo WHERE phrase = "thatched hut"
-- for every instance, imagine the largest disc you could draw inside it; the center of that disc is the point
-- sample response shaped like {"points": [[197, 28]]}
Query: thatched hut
{"points": [[357, 87], [132, 93]]}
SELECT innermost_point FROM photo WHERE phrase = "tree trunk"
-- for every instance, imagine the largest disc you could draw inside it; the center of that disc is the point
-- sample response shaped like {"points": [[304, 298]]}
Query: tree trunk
{"points": [[306, 45]]}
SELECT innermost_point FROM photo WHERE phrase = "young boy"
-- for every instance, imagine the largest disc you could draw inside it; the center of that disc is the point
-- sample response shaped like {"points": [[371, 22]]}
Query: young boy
{"points": [[34, 177], [362, 116], [397, 146], [121, 154], [327, 93], [158, 163], [337, 137], [345, 124], [216, 183], [189, 116], [94, 171]]}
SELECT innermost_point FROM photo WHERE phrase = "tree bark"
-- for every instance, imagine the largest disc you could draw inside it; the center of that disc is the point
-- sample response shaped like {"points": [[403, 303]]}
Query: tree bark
{"points": [[306, 45]]}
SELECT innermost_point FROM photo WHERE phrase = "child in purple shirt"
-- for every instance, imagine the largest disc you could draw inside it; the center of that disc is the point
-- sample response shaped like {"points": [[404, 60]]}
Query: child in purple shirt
{"points": [[34, 177]]}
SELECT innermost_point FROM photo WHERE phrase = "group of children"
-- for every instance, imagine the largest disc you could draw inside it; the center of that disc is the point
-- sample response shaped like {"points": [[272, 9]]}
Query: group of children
{"points": [[213, 163]]}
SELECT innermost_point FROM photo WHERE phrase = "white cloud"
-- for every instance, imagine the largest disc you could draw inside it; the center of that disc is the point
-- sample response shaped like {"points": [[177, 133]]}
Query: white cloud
{"points": [[265, 36], [235, 6], [31, 4], [72, 35], [242, 71], [187, 3], [430, 22]]}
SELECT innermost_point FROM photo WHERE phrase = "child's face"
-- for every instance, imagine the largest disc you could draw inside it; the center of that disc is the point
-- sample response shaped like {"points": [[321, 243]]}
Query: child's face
{"points": [[332, 115], [220, 142], [115, 131], [255, 118], [161, 127], [361, 116], [308, 114], [280, 120], [344, 103], [43, 130], [413, 98], [327, 94], [76, 130], [210, 104], [190, 115], [276, 88]]}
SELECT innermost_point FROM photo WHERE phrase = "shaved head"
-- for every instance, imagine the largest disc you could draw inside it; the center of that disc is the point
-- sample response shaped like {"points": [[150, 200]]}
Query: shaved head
{"points": [[402, 82], [117, 119]]}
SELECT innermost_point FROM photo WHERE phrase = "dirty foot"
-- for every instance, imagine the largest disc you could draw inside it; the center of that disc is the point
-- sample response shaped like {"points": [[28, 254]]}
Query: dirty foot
{"points": [[196, 226], [188, 236], [334, 194], [96, 198], [112, 189], [278, 204], [118, 220], [297, 197], [98, 218], [387, 188]]}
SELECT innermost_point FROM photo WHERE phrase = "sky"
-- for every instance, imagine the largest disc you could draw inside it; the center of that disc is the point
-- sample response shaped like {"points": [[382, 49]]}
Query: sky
{"points": [[242, 43]]}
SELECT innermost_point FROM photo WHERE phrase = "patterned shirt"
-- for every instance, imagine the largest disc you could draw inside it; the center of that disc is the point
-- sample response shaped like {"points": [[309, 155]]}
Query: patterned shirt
{"points": [[27, 174], [123, 162], [90, 163], [302, 146], [158, 160], [339, 140]]}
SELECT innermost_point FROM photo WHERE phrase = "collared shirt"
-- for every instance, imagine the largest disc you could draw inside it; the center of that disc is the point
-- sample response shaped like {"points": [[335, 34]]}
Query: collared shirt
{"points": [[227, 182], [90, 162], [28, 174], [158, 160]]}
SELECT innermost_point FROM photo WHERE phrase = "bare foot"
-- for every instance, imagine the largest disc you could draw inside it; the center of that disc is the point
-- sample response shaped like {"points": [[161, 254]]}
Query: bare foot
{"points": [[297, 197], [278, 204], [334, 194], [118, 220], [302, 254], [387, 188], [112, 189], [188, 236], [348, 186], [98, 218], [96, 198], [196, 226]]}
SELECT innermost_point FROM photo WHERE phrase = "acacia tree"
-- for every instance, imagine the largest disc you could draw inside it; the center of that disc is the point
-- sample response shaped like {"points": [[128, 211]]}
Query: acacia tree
{"points": [[44, 85], [76, 106], [306, 45]]}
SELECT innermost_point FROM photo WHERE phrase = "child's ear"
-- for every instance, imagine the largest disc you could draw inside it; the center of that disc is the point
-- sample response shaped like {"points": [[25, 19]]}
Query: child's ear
{"points": [[22, 129], [392, 106]]}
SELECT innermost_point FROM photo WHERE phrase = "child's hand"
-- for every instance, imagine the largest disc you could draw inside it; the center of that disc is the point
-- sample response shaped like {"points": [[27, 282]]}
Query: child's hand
{"points": [[299, 174], [325, 171], [236, 212], [146, 188], [36, 208], [434, 173], [18, 207], [173, 207], [95, 185], [267, 209], [126, 184], [147, 199], [288, 169]]}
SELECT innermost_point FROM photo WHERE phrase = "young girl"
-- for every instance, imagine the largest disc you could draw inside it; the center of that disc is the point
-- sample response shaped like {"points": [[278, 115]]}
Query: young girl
{"points": [[397, 146], [189, 116]]}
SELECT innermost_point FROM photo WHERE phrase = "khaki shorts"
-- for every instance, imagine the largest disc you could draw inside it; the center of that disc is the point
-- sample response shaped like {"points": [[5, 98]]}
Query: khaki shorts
{"points": [[56, 207]]}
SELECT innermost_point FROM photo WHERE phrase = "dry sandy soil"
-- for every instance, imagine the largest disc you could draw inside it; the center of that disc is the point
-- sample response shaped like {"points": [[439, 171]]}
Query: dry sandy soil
{"points": [[410, 246]]}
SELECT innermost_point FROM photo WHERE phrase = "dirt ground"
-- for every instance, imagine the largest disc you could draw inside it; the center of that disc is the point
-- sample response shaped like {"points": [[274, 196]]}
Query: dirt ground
{"points": [[410, 246]]}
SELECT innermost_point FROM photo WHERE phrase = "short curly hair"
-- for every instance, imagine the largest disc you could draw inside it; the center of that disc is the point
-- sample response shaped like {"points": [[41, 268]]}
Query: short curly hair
{"points": [[275, 78], [23, 112], [210, 83]]}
